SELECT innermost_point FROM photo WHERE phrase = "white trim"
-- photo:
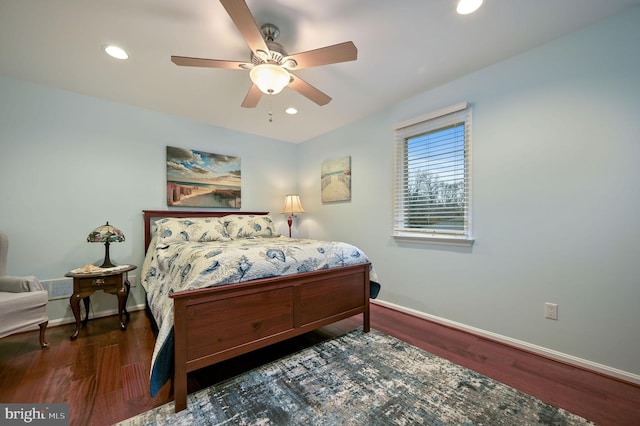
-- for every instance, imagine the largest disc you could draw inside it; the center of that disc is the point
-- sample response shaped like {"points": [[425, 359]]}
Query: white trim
{"points": [[549, 353], [433, 239], [94, 315], [431, 115]]}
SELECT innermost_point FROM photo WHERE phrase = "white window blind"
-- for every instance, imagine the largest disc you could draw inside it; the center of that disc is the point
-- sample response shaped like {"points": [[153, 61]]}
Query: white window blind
{"points": [[432, 190]]}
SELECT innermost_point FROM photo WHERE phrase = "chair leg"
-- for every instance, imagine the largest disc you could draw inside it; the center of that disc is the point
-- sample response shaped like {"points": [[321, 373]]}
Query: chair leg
{"points": [[43, 327]]}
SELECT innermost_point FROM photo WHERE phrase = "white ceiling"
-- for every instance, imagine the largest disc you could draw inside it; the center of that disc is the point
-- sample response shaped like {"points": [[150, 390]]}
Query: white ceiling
{"points": [[404, 47]]}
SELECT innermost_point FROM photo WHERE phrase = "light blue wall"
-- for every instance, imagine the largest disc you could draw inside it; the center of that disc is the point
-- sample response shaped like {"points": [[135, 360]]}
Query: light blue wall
{"points": [[68, 163], [555, 199]]}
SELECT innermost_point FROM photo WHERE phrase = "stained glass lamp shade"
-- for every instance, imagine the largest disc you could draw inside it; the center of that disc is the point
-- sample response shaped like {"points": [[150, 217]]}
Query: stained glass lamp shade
{"points": [[106, 234]]}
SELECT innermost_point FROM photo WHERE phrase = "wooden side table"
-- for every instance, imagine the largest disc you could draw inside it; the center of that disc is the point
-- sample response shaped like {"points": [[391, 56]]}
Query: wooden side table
{"points": [[112, 280]]}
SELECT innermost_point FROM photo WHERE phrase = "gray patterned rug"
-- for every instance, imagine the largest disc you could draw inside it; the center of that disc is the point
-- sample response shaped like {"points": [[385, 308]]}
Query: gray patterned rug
{"points": [[360, 379]]}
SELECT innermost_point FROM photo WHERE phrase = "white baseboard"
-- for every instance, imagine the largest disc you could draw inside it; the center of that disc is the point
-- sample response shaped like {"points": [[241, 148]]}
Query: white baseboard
{"points": [[93, 315], [549, 353]]}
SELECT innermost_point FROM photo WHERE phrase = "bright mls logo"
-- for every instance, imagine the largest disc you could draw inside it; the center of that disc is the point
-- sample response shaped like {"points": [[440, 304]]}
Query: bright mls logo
{"points": [[37, 414]]}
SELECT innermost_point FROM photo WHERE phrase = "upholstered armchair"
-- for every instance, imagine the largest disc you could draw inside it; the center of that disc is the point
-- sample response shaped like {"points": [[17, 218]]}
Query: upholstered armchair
{"points": [[23, 300]]}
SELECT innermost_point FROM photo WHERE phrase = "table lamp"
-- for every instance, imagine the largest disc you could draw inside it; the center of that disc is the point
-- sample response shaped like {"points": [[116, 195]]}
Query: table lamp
{"points": [[106, 234], [292, 206]]}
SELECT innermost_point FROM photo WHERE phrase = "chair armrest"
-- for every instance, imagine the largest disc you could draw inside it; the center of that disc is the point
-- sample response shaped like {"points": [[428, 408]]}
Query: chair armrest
{"points": [[12, 284]]}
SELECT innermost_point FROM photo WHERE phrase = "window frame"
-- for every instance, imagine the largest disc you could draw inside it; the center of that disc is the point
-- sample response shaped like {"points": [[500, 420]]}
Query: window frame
{"points": [[428, 123]]}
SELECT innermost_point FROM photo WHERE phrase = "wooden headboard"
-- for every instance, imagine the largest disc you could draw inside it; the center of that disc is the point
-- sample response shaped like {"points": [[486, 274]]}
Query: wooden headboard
{"points": [[152, 215]]}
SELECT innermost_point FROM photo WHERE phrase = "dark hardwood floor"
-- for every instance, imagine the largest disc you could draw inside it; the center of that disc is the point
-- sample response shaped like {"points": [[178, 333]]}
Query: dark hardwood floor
{"points": [[104, 374]]}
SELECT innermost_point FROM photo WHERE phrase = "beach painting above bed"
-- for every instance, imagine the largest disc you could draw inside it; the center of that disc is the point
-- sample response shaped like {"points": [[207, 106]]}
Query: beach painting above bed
{"points": [[335, 177], [202, 179]]}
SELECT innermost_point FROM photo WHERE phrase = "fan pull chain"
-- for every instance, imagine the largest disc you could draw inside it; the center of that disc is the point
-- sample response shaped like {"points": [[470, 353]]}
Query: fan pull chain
{"points": [[270, 113]]}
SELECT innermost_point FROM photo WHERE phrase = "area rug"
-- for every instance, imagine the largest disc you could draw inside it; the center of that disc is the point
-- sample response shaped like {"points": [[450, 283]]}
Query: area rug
{"points": [[360, 379]]}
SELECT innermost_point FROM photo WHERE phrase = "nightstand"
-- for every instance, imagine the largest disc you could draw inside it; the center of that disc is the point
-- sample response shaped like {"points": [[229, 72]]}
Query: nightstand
{"points": [[111, 280]]}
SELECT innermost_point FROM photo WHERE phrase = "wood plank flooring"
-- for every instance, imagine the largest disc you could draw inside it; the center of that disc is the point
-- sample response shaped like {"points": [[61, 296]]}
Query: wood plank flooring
{"points": [[104, 374], [603, 400]]}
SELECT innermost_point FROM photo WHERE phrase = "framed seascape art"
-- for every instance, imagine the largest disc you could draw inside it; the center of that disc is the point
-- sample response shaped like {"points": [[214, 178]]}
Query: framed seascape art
{"points": [[202, 179], [336, 180]]}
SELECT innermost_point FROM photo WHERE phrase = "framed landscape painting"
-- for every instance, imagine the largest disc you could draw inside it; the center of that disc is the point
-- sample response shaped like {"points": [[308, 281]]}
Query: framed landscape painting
{"points": [[335, 178], [202, 179]]}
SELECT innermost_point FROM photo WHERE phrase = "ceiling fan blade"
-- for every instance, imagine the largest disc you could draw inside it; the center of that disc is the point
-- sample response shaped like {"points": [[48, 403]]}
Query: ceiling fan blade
{"points": [[307, 90], [342, 52], [252, 98], [206, 63], [241, 16]]}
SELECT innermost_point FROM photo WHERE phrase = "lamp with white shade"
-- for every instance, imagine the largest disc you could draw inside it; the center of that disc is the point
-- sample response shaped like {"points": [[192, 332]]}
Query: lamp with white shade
{"points": [[292, 207]]}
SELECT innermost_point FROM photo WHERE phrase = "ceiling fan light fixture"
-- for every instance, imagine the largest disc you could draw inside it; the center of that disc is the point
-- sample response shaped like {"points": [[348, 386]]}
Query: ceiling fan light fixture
{"points": [[270, 67], [466, 7], [269, 78]]}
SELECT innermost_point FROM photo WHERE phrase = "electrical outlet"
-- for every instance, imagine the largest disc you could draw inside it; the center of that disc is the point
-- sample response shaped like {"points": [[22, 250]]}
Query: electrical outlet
{"points": [[551, 311]]}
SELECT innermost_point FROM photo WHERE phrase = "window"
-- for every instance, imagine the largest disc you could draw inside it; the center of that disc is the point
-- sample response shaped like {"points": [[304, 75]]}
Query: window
{"points": [[433, 177]]}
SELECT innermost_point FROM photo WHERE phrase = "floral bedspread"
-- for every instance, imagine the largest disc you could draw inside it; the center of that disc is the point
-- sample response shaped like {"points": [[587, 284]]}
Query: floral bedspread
{"points": [[180, 266]]}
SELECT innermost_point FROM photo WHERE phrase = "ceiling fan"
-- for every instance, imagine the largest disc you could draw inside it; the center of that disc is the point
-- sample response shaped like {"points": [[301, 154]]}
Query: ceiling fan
{"points": [[270, 66]]}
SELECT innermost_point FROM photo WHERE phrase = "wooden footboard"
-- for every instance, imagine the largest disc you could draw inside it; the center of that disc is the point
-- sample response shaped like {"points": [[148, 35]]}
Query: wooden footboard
{"points": [[215, 324]]}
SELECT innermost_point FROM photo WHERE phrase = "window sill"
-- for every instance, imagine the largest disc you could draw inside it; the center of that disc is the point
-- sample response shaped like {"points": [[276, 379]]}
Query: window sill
{"points": [[434, 239]]}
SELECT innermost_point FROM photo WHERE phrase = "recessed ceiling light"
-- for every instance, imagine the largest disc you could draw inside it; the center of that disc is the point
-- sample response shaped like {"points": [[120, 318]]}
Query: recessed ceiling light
{"points": [[466, 7], [115, 52], [291, 111]]}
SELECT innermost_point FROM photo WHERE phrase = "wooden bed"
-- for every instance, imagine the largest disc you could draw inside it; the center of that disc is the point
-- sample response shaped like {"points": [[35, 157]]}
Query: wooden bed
{"points": [[254, 314]]}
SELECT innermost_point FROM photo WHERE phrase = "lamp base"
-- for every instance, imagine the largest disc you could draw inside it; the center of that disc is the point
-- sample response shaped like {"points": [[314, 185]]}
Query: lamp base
{"points": [[289, 222], [107, 262]]}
